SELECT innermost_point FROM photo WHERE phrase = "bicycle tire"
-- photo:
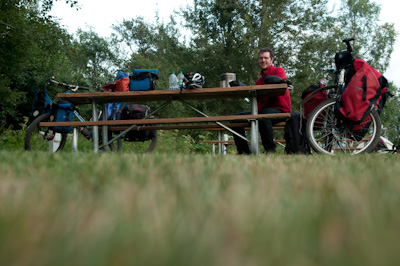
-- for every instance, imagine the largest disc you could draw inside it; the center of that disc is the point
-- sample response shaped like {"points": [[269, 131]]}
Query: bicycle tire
{"points": [[36, 136], [153, 142], [328, 135], [116, 148]]}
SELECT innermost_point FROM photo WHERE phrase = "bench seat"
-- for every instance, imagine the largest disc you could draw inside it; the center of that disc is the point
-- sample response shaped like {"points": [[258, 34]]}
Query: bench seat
{"points": [[158, 121], [231, 142]]}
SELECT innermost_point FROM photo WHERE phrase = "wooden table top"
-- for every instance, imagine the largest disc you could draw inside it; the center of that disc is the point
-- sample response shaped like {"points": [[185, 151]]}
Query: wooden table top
{"points": [[164, 95]]}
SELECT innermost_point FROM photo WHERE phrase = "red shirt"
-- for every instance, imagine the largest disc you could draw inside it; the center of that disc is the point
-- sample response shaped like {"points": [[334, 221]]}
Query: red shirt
{"points": [[279, 102]]}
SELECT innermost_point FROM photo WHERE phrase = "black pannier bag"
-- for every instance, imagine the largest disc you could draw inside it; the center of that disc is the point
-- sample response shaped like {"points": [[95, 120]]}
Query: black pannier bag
{"points": [[136, 111], [295, 135], [41, 105]]}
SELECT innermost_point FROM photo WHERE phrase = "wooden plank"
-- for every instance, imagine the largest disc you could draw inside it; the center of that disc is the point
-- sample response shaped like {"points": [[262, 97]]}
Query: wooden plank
{"points": [[164, 95], [230, 142], [179, 127], [278, 126], [167, 120], [209, 127]]}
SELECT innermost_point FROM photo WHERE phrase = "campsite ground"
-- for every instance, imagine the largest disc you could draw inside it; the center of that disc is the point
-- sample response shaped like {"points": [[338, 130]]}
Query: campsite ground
{"points": [[175, 208]]}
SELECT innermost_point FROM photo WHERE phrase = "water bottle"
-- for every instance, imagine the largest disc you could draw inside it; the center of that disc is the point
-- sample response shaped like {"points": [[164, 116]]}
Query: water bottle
{"points": [[173, 82], [180, 79]]}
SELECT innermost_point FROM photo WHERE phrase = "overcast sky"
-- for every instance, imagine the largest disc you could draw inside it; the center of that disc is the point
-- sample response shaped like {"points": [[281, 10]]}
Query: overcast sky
{"points": [[102, 14]]}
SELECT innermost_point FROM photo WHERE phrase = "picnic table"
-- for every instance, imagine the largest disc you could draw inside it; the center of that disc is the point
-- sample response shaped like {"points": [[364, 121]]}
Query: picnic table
{"points": [[168, 96]]}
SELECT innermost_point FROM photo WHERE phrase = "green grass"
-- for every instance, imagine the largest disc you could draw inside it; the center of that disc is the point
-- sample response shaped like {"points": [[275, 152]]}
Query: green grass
{"points": [[186, 209]]}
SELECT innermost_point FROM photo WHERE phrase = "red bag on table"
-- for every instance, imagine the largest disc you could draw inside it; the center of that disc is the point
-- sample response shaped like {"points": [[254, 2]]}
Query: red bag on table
{"points": [[121, 83]]}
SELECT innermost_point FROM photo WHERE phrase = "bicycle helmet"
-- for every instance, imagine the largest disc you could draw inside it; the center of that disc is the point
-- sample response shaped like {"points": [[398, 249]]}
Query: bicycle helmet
{"points": [[194, 80]]}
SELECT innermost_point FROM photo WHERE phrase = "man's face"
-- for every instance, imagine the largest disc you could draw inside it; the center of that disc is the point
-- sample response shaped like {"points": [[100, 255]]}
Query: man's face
{"points": [[265, 60]]}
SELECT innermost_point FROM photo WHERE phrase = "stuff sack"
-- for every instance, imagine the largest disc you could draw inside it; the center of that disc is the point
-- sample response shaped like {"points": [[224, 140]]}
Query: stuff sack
{"points": [[143, 79], [136, 111], [61, 112], [120, 83], [41, 105], [311, 97], [295, 135], [366, 89], [236, 83]]}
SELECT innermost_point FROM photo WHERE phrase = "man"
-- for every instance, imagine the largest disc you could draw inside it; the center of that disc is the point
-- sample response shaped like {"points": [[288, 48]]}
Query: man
{"points": [[266, 105]]}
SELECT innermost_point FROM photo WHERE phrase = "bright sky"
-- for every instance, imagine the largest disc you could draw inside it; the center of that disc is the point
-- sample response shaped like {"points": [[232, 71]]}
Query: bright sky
{"points": [[102, 14]]}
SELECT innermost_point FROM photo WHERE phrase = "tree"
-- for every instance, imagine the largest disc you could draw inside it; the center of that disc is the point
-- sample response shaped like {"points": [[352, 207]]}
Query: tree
{"points": [[31, 49], [146, 45], [223, 37], [373, 43], [92, 58], [153, 46]]}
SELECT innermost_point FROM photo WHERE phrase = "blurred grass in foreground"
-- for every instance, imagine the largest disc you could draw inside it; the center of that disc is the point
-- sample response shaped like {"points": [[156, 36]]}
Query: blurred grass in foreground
{"points": [[175, 209]]}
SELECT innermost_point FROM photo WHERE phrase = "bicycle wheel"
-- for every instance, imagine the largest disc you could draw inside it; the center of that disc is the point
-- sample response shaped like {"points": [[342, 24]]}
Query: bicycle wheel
{"points": [[115, 146], [39, 138], [328, 135], [153, 141]]}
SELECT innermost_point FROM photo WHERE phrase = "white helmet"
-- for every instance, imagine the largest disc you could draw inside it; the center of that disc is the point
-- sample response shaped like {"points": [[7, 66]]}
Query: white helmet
{"points": [[194, 80]]}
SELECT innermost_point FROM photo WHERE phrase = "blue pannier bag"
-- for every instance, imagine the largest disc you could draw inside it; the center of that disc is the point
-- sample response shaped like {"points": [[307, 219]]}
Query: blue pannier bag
{"points": [[62, 112], [112, 110], [143, 79]]}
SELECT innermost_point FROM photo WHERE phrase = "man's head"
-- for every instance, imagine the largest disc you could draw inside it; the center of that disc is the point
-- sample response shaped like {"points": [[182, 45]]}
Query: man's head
{"points": [[265, 58]]}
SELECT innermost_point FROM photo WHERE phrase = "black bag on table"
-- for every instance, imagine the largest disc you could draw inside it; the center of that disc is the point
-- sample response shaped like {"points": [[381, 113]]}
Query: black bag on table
{"points": [[295, 135], [136, 111]]}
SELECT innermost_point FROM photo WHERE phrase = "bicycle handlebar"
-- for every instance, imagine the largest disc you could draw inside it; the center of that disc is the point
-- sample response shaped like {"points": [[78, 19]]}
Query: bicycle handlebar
{"points": [[347, 42], [68, 86]]}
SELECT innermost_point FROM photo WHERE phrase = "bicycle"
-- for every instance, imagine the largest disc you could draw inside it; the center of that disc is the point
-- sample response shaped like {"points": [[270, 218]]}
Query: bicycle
{"points": [[40, 138], [328, 134]]}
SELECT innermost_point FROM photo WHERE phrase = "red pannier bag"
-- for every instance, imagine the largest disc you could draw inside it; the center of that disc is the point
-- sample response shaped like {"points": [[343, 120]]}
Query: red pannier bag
{"points": [[311, 98], [310, 104], [367, 89], [121, 83]]}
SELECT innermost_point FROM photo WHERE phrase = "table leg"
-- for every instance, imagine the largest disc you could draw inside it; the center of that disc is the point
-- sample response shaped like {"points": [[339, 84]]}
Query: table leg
{"points": [[219, 144], [255, 148], [95, 136], [104, 129], [74, 145]]}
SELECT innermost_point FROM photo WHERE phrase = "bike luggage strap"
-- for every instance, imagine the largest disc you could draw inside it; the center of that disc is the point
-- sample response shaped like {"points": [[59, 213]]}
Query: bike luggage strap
{"points": [[315, 92]]}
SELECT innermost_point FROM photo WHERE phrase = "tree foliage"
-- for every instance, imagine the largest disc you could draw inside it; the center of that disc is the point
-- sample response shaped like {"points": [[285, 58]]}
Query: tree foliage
{"points": [[31, 46], [374, 43], [34, 47], [92, 58]]}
